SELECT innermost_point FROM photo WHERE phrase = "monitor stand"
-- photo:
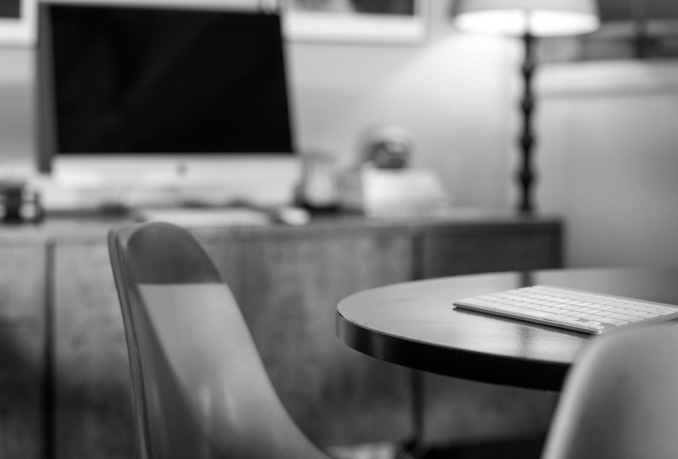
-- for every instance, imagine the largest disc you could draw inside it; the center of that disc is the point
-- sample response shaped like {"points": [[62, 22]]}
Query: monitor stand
{"points": [[137, 183]]}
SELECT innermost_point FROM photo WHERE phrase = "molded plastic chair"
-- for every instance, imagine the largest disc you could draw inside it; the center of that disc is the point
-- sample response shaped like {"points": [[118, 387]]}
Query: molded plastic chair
{"points": [[621, 399], [199, 387]]}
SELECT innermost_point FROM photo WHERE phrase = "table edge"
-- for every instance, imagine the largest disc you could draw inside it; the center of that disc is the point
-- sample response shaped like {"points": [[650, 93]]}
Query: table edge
{"points": [[464, 364]]}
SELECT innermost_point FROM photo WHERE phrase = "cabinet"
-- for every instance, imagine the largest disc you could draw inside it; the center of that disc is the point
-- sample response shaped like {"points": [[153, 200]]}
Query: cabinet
{"points": [[22, 347], [477, 248], [287, 281]]}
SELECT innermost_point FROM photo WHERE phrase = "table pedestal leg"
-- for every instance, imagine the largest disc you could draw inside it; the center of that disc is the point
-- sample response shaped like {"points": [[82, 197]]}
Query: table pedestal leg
{"points": [[415, 446]]}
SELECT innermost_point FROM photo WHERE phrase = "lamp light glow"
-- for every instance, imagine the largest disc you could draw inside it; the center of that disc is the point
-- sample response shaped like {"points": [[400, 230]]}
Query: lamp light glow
{"points": [[517, 17], [517, 22]]}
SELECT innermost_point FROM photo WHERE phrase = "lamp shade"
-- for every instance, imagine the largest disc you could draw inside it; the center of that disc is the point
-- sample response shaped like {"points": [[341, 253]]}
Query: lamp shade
{"points": [[518, 17]]}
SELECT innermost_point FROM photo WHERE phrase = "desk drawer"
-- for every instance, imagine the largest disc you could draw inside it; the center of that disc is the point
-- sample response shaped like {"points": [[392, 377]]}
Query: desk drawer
{"points": [[479, 249]]}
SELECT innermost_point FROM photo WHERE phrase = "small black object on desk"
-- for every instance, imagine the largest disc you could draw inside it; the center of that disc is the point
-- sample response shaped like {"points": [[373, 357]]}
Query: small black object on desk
{"points": [[19, 203]]}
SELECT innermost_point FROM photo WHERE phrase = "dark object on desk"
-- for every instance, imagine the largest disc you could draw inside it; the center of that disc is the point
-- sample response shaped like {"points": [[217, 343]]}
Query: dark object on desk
{"points": [[318, 189], [200, 388], [620, 399], [19, 203], [387, 147]]}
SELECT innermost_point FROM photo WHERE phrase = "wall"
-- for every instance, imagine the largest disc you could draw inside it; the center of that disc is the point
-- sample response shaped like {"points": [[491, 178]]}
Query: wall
{"points": [[609, 160], [457, 96]]}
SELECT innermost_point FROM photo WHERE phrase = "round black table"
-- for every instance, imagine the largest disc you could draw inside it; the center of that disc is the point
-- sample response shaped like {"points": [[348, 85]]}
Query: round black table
{"points": [[415, 325]]}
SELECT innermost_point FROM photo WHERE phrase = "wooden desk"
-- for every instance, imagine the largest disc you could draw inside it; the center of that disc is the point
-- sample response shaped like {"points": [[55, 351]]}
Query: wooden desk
{"points": [[63, 346], [414, 324]]}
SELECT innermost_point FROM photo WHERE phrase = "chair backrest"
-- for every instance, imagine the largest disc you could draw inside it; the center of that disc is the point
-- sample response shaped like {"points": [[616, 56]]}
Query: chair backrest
{"points": [[199, 387], [621, 399]]}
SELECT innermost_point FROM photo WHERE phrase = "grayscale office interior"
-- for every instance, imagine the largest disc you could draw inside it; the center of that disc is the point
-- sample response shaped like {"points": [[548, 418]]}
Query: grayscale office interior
{"points": [[336, 175]]}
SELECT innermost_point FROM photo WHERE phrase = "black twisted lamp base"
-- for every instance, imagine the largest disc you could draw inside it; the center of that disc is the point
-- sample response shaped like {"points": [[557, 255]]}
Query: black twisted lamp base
{"points": [[526, 176]]}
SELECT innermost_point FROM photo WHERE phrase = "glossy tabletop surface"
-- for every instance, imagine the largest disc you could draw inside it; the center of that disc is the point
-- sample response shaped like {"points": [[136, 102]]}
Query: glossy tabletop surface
{"points": [[414, 324]]}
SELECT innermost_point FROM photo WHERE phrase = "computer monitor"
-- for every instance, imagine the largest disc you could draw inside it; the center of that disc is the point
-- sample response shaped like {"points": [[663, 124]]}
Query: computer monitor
{"points": [[146, 104]]}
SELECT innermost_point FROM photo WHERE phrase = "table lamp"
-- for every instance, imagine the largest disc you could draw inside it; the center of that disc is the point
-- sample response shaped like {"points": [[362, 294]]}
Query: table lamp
{"points": [[527, 19]]}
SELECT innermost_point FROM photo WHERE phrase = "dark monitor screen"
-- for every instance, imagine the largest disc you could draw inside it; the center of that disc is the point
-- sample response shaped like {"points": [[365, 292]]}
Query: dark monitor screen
{"points": [[156, 80]]}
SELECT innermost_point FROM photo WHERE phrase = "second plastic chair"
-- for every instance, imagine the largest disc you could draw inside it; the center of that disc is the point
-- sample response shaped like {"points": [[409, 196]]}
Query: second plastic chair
{"points": [[621, 399]]}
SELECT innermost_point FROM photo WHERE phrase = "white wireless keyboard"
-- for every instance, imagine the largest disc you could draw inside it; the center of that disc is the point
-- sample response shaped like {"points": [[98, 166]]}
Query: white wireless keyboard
{"points": [[205, 217], [578, 310]]}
